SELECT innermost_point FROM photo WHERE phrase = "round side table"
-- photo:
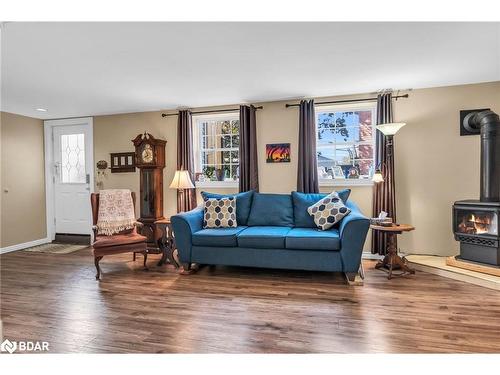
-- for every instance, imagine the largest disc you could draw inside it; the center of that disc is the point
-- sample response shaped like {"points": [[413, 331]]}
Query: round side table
{"points": [[166, 243], [392, 260]]}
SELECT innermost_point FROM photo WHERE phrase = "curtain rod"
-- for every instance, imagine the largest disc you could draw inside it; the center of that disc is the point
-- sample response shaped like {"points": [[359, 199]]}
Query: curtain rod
{"points": [[203, 112], [349, 101]]}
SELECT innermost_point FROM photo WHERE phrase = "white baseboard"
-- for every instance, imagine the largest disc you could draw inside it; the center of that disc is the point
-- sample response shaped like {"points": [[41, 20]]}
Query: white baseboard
{"points": [[368, 255], [25, 245]]}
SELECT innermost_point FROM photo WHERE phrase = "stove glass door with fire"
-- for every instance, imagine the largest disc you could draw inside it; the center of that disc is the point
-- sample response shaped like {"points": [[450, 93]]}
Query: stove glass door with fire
{"points": [[476, 222]]}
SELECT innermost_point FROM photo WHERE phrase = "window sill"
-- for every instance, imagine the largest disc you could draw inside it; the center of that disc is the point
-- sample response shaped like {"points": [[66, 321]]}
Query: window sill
{"points": [[217, 184], [345, 182]]}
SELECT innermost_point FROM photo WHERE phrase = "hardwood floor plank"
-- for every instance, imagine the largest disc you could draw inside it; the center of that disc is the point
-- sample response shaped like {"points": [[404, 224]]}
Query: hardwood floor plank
{"points": [[54, 297]]}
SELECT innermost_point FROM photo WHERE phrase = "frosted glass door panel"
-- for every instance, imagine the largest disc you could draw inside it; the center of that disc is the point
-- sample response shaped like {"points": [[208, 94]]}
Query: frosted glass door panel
{"points": [[73, 159]]}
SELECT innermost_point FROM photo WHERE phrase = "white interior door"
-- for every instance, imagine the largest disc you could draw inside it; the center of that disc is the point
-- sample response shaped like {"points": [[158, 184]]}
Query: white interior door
{"points": [[72, 168]]}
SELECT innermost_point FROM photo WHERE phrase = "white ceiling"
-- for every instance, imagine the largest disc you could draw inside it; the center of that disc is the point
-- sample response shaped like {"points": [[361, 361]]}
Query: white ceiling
{"points": [[77, 69]]}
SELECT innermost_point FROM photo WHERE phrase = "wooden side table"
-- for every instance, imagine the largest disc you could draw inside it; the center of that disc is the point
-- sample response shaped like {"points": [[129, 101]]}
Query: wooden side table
{"points": [[392, 260], [166, 242]]}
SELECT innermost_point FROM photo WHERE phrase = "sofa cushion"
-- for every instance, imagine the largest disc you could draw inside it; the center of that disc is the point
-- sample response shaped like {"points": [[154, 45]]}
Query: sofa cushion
{"points": [[313, 239], [328, 211], [219, 213], [271, 210], [302, 201], [265, 237], [223, 237], [243, 203]]}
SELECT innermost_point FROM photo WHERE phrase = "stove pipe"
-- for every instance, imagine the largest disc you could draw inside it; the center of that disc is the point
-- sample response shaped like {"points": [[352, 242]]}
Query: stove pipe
{"points": [[489, 124]]}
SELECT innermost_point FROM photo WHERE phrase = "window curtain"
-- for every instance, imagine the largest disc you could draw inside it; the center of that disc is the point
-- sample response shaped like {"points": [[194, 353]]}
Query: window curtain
{"points": [[307, 174], [384, 197], [248, 173], [186, 199]]}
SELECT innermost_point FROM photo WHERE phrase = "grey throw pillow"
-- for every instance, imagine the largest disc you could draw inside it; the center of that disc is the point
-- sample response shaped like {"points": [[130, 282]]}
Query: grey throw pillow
{"points": [[220, 213], [328, 211]]}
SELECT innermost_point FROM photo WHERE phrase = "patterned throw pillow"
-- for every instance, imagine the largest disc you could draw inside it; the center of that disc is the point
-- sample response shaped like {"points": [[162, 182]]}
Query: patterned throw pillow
{"points": [[328, 211], [220, 213]]}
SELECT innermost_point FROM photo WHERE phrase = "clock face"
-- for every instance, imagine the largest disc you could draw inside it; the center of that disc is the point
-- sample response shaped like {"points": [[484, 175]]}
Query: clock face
{"points": [[147, 154]]}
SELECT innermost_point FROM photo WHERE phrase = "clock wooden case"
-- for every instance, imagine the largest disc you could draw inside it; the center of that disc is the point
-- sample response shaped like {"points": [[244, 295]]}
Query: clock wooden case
{"points": [[150, 159]]}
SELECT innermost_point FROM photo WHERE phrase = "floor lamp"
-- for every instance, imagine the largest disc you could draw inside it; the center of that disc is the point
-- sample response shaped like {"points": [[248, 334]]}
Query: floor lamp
{"points": [[392, 259], [388, 130]]}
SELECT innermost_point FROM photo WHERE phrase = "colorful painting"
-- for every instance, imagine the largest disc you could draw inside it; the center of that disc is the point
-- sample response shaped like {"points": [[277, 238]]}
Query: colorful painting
{"points": [[278, 153]]}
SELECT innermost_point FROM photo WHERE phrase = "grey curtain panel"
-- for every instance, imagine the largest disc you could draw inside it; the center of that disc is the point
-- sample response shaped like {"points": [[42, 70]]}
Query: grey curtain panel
{"points": [[307, 174], [384, 197], [249, 173], [186, 199]]}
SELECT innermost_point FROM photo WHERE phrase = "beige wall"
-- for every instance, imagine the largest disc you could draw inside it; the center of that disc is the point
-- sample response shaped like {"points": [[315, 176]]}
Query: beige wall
{"points": [[278, 124], [115, 133], [22, 173], [275, 123], [434, 165]]}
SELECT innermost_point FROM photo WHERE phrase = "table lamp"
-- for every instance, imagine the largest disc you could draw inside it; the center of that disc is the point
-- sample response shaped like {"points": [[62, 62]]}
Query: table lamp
{"points": [[181, 181]]}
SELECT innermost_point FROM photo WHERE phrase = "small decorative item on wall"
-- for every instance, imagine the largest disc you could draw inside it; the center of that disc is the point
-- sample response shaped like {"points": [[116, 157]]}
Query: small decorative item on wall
{"points": [[101, 165], [463, 129], [278, 153], [122, 162]]}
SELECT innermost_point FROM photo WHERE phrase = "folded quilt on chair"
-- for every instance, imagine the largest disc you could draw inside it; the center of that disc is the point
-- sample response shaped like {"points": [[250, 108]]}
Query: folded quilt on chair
{"points": [[116, 211]]}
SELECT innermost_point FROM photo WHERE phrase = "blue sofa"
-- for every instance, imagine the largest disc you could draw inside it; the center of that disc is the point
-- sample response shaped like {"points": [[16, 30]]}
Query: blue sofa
{"points": [[274, 231]]}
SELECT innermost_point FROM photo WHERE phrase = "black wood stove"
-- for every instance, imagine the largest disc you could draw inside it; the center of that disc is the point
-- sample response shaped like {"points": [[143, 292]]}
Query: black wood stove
{"points": [[475, 222]]}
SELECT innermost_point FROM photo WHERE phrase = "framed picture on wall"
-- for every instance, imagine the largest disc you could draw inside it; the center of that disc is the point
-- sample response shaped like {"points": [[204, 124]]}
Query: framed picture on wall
{"points": [[122, 162], [278, 153]]}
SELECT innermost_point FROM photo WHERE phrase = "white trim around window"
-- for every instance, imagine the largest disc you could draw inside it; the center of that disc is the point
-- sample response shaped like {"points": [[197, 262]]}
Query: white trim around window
{"points": [[198, 149], [217, 184], [319, 109], [345, 182]]}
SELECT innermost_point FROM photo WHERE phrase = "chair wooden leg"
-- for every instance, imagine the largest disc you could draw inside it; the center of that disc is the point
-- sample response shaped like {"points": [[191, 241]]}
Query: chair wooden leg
{"points": [[98, 268], [133, 257], [145, 253]]}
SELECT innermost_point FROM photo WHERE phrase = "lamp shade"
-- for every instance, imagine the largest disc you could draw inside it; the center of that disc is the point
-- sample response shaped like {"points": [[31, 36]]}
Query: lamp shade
{"points": [[181, 181], [377, 176], [390, 128]]}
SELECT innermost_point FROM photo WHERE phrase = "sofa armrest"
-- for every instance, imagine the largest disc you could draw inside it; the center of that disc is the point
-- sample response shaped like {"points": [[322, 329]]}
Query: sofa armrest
{"points": [[184, 225], [353, 230]]}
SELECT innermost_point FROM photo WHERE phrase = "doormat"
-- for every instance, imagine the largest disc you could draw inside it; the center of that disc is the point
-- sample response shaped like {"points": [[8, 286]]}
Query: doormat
{"points": [[490, 270], [56, 248]]}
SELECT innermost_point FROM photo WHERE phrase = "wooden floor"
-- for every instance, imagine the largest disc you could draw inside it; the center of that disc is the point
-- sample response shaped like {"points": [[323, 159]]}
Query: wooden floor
{"points": [[237, 310]]}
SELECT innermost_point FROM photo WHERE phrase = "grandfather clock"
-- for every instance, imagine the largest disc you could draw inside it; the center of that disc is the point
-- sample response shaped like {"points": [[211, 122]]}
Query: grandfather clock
{"points": [[150, 159]]}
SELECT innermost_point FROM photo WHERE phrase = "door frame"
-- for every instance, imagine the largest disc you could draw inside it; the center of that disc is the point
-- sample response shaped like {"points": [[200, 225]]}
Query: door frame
{"points": [[48, 126]]}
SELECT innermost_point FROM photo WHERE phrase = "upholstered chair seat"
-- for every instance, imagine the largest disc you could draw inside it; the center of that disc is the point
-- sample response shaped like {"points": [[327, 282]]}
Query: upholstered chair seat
{"points": [[118, 240]]}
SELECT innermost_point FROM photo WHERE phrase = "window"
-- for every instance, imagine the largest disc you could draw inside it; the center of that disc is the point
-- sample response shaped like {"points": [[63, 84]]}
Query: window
{"points": [[217, 139], [345, 143], [73, 159]]}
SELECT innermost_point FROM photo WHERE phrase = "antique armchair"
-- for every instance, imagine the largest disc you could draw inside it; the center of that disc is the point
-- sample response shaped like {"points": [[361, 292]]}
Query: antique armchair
{"points": [[127, 241]]}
